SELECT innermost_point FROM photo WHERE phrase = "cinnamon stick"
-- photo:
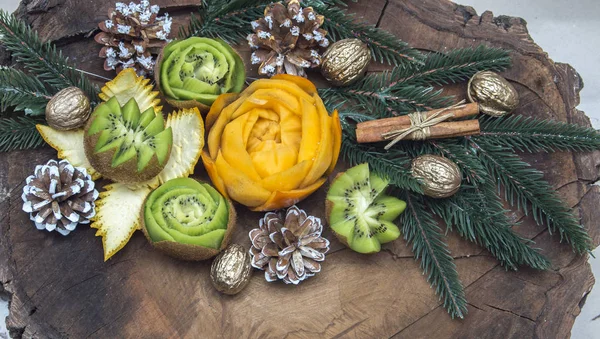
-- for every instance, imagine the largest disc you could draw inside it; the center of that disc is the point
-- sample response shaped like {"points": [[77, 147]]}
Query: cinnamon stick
{"points": [[465, 111], [439, 131]]}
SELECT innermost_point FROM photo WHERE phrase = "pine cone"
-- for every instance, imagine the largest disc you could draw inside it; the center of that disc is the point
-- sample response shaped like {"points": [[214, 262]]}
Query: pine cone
{"points": [[287, 39], [58, 196], [131, 35], [289, 249]]}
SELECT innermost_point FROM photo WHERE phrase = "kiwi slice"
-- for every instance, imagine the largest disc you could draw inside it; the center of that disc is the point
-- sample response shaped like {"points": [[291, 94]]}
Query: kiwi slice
{"points": [[200, 69], [359, 212], [126, 145], [187, 219]]}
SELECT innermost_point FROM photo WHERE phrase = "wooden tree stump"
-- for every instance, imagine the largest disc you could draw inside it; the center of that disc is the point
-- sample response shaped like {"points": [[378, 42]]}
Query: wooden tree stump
{"points": [[61, 287]]}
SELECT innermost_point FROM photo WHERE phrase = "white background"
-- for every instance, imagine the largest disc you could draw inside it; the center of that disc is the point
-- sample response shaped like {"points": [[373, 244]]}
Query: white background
{"points": [[569, 30]]}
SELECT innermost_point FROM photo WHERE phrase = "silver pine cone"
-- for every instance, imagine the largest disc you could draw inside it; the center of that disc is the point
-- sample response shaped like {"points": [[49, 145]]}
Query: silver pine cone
{"points": [[288, 247], [59, 196]]}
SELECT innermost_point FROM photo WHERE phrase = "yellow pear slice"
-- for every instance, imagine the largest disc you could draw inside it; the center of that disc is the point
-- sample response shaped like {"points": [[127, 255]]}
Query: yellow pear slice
{"points": [[118, 215], [69, 145], [127, 85], [188, 142]]}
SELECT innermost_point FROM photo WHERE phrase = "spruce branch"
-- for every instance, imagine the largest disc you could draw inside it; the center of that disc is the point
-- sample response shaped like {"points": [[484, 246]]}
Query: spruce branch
{"points": [[23, 92], [41, 58], [388, 102], [536, 135], [19, 133], [478, 216], [394, 166], [385, 47], [420, 229], [405, 90], [455, 66], [464, 158], [524, 187], [225, 19], [230, 19]]}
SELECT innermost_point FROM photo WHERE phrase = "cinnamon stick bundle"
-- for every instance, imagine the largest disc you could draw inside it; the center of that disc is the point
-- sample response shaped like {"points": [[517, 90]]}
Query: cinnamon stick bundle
{"points": [[439, 131], [375, 130]]}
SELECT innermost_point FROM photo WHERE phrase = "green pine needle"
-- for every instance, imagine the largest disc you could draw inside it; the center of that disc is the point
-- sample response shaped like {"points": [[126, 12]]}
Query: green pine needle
{"points": [[23, 92], [420, 229], [478, 216], [225, 19], [388, 102], [385, 47], [535, 135], [19, 133], [41, 58], [525, 188], [230, 19], [455, 66], [405, 90], [394, 166]]}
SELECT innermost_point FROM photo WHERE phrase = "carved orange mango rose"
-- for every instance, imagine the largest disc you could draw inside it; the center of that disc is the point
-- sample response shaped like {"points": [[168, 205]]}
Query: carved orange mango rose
{"points": [[271, 145]]}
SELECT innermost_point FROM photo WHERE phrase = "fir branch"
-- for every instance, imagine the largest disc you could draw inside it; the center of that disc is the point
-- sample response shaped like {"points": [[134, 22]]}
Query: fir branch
{"points": [[455, 66], [230, 19], [536, 135], [420, 229], [388, 102], [225, 19], [384, 46], [41, 59], [402, 91], [19, 133], [525, 187], [23, 92], [394, 166], [478, 215]]}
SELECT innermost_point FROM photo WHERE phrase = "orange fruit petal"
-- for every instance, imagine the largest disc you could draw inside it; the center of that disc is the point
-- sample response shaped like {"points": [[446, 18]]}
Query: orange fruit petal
{"points": [[239, 187], [287, 180], [311, 132], [220, 103], [270, 158], [322, 160], [304, 83], [233, 147], [336, 131], [211, 169]]}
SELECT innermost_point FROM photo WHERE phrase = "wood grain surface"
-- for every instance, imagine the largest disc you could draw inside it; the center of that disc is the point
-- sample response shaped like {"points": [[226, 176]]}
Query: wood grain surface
{"points": [[61, 288]]}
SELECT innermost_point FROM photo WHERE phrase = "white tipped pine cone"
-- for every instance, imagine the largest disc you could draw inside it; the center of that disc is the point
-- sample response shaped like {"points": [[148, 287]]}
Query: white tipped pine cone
{"points": [[131, 35], [289, 248], [59, 196], [287, 39]]}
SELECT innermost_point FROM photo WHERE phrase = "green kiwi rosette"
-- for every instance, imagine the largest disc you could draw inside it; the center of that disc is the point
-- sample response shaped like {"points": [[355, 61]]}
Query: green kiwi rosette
{"points": [[188, 220], [195, 71]]}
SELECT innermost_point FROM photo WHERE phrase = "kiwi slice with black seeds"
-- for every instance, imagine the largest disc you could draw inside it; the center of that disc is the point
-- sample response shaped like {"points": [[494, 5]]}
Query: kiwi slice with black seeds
{"points": [[188, 219], [360, 214], [126, 145], [199, 69]]}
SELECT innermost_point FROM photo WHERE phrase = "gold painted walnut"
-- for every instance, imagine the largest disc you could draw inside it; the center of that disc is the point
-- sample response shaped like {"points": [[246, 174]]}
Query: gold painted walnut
{"points": [[68, 109]]}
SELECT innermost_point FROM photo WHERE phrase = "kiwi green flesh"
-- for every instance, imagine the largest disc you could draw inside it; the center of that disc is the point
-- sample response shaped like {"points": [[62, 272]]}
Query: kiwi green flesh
{"points": [[361, 214], [187, 212], [147, 117], [130, 134], [200, 69]]}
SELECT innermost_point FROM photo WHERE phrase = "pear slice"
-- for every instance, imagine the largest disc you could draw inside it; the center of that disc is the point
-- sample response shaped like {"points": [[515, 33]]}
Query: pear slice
{"points": [[69, 145]]}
